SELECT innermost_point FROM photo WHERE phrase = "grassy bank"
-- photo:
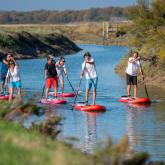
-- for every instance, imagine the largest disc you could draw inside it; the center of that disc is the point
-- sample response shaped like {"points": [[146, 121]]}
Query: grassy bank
{"points": [[87, 33], [19, 146]]}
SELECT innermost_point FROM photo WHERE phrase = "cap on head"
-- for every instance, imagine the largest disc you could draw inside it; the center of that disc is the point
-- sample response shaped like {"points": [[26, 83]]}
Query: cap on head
{"points": [[87, 54], [50, 57]]}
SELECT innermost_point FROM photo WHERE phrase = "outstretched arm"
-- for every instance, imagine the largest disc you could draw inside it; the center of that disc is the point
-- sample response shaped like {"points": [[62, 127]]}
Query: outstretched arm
{"points": [[90, 62], [133, 60], [5, 62]]}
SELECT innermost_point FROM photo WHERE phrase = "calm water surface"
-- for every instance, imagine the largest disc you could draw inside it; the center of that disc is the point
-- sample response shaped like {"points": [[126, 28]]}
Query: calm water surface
{"points": [[145, 126]]}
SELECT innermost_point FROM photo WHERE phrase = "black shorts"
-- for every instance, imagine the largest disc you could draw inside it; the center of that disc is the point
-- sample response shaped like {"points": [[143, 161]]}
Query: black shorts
{"points": [[131, 80]]}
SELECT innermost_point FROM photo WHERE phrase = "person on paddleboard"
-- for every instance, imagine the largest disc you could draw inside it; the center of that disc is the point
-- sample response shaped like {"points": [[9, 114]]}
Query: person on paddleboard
{"points": [[61, 71], [4, 69], [131, 73], [89, 69], [13, 78], [51, 76]]}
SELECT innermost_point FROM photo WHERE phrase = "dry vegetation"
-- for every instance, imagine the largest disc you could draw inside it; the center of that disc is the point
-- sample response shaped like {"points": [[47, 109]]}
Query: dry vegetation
{"points": [[78, 32]]}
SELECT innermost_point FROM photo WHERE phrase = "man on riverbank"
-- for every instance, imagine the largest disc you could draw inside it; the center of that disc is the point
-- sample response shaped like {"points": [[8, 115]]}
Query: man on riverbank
{"points": [[51, 76], [131, 73], [88, 68]]}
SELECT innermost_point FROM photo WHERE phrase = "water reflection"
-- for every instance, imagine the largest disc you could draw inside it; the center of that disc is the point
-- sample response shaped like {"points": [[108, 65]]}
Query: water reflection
{"points": [[132, 119], [142, 131], [90, 137]]}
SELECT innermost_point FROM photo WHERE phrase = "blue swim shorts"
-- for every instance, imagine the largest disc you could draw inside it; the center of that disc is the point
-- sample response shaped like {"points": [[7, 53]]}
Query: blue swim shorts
{"points": [[16, 84], [92, 82]]}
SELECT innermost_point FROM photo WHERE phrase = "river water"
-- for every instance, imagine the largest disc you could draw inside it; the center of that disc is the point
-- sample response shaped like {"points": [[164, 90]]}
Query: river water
{"points": [[145, 126]]}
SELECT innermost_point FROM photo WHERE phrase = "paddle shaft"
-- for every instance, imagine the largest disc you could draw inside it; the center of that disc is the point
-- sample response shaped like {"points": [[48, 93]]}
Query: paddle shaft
{"points": [[43, 89], [144, 81], [79, 84], [77, 91], [70, 85]]}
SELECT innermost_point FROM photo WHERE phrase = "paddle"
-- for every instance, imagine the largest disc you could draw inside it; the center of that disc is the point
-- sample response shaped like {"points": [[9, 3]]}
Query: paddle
{"points": [[77, 92], [70, 84], [43, 89], [5, 89], [143, 80]]}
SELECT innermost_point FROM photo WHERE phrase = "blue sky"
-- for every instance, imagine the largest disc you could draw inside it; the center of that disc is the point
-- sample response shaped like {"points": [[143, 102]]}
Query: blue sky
{"points": [[27, 5]]}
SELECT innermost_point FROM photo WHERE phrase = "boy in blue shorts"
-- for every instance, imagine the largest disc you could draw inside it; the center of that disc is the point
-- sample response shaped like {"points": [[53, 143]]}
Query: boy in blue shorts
{"points": [[89, 69]]}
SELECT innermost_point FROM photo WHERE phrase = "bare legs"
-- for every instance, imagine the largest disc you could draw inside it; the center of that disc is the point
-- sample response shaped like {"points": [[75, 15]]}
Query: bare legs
{"points": [[128, 90], [11, 91], [47, 92], [2, 87], [19, 93], [87, 96], [134, 90], [62, 85], [55, 92], [94, 96]]}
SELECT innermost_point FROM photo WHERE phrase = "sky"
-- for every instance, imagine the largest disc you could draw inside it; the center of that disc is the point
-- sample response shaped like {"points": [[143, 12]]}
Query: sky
{"points": [[28, 5]]}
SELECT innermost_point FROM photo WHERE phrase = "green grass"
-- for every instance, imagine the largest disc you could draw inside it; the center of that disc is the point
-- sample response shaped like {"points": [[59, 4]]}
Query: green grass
{"points": [[20, 147]]}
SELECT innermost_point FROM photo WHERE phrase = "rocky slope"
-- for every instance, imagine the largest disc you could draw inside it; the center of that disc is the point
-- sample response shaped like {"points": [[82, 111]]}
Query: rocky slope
{"points": [[25, 45]]}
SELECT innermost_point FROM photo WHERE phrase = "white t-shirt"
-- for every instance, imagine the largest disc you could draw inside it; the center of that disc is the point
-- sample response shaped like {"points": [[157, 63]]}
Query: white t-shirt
{"points": [[132, 68], [61, 69], [89, 70], [13, 76]]}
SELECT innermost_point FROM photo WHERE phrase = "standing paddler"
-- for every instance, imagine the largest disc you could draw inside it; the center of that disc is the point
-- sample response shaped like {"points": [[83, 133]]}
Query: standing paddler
{"points": [[89, 69], [131, 73]]}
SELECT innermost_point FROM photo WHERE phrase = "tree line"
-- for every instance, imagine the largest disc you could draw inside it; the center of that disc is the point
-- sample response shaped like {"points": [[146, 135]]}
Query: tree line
{"points": [[67, 16]]}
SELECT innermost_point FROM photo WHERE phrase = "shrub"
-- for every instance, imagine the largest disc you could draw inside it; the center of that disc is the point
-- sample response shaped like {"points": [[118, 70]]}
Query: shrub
{"points": [[6, 41]]}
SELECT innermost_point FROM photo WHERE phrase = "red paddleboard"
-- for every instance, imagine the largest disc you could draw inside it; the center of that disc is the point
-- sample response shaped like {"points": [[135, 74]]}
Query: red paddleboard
{"points": [[53, 101], [4, 97], [63, 94], [135, 100], [90, 108]]}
